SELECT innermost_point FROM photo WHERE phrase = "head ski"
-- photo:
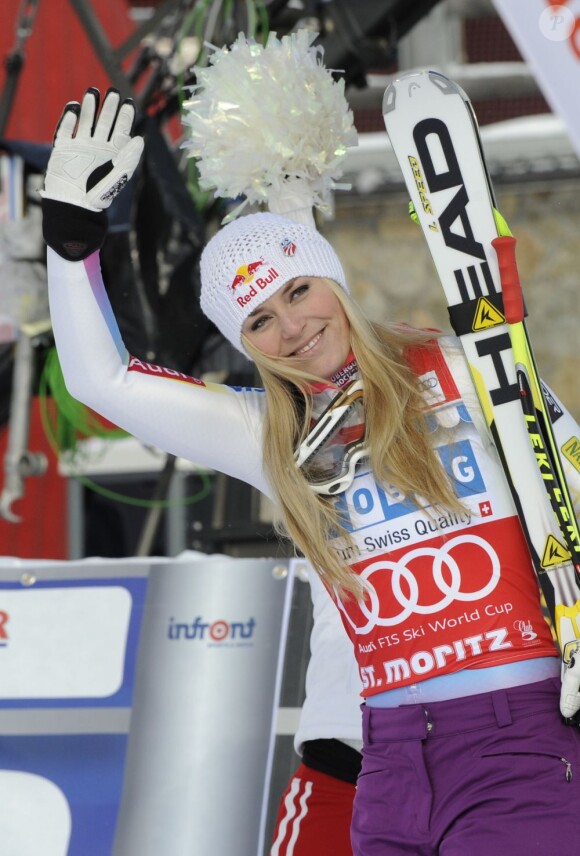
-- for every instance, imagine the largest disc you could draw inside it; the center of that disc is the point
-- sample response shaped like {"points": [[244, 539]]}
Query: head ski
{"points": [[434, 134]]}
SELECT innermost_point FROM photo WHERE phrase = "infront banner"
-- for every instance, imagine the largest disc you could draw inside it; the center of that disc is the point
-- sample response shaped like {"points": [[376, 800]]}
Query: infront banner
{"points": [[548, 38], [138, 703], [203, 722]]}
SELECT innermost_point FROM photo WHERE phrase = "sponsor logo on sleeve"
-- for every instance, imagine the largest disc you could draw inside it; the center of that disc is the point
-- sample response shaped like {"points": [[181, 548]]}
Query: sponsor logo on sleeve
{"points": [[136, 365]]}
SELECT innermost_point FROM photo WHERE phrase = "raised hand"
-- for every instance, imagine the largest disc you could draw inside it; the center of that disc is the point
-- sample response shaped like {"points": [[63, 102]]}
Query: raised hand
{"points": [[94, 155]]}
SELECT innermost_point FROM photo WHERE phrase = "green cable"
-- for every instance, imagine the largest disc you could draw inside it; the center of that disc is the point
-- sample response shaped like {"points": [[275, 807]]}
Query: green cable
{"points": [[73, 418], [204, 491]]}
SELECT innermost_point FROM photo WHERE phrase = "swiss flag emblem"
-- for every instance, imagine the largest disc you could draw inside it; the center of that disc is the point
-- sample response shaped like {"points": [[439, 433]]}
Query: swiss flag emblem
{"points": [[485, 509]]}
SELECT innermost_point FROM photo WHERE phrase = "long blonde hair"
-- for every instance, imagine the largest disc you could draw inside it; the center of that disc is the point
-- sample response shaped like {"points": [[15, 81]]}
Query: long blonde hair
{"points": [[400, 452]]}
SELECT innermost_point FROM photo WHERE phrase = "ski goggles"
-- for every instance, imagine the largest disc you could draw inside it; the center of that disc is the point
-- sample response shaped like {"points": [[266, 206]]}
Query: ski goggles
{"points": [[336, 442]]}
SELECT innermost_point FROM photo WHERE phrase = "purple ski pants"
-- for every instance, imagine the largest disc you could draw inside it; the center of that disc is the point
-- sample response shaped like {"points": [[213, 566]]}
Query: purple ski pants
{"points": [[497, 774]]}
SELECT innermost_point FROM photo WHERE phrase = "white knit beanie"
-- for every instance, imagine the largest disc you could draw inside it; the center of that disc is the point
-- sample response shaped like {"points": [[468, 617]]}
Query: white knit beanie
{"points": [[252, 257]]}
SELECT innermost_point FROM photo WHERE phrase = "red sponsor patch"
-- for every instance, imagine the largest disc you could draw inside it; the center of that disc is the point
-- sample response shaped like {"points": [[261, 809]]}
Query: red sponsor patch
{"points": [[136, 365]]}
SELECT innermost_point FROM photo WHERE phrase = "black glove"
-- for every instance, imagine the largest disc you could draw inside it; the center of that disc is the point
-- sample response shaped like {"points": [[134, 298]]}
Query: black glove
{"points": [[93, 158]]}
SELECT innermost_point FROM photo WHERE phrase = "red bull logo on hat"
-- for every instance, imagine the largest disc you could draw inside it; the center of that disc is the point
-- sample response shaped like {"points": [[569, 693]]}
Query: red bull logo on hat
{"points": [[245, 273], [246, 276]]}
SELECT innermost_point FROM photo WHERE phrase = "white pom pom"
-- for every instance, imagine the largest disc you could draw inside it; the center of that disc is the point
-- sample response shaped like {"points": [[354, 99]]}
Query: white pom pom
{"points": [[269, 124]]}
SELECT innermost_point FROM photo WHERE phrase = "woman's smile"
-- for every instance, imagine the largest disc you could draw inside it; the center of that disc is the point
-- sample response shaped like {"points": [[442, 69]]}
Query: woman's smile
{"points": [[309, 346]]}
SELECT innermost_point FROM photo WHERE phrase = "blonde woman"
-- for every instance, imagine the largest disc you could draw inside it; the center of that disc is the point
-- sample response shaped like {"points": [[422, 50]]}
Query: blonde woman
{"points": [[371, 443]]}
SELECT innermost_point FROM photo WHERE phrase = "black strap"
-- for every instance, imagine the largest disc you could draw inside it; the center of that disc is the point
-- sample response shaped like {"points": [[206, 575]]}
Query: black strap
{"points": [[334, 758], [73, 232]]}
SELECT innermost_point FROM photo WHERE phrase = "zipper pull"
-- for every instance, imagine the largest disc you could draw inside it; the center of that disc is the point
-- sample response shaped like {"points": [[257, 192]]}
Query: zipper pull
{"points": [[568, 769]]}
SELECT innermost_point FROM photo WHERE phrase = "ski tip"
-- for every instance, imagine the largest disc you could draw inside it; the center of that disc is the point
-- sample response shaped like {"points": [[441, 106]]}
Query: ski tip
{"points": [[406, 83], [389, 98], [447, 86], [413, 81]]}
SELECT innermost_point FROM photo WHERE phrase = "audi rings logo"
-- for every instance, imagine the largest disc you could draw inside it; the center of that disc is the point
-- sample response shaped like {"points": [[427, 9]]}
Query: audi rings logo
{"points": [[424, 581]]}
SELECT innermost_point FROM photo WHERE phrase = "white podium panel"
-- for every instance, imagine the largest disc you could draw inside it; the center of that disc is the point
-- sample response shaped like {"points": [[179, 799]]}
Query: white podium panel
{"points": [[203, 724]]}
